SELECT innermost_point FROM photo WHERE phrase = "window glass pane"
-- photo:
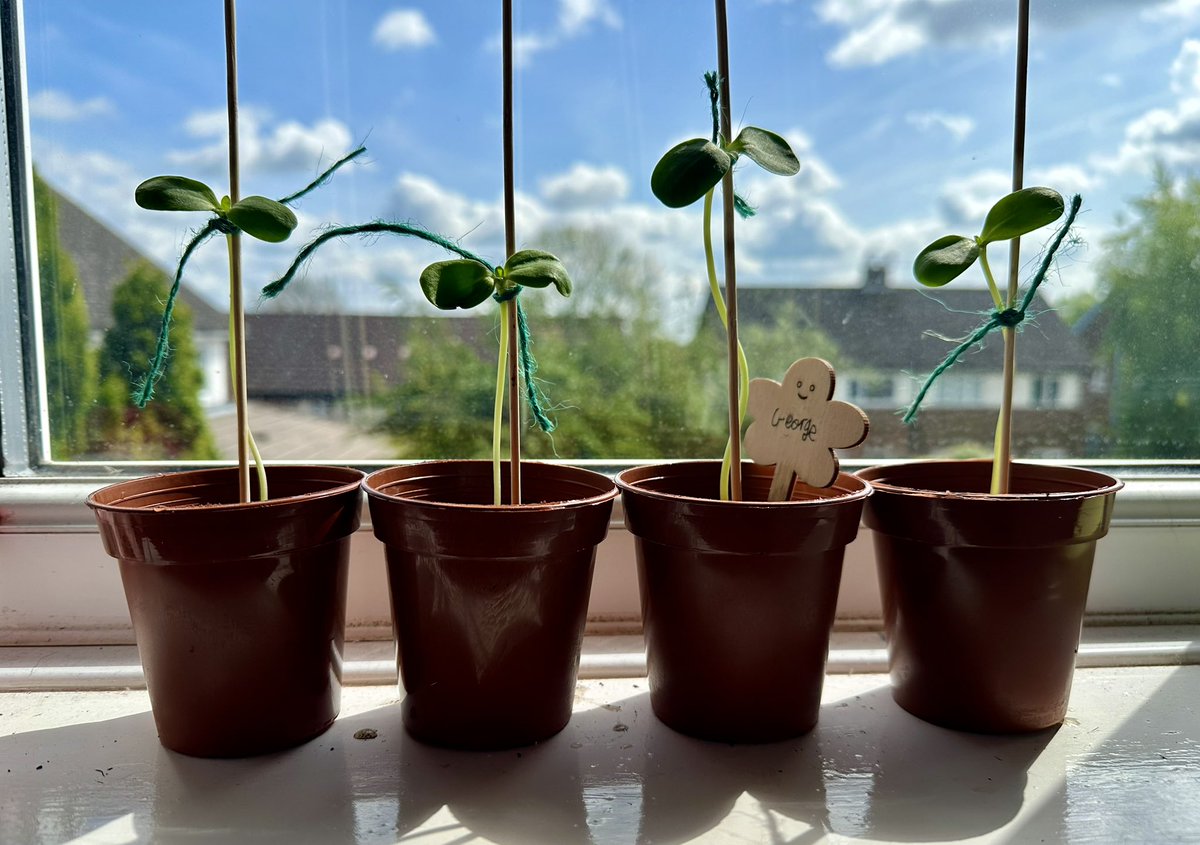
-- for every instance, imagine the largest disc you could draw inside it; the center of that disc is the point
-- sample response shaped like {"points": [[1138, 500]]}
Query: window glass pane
{"points": [[900, 112]]}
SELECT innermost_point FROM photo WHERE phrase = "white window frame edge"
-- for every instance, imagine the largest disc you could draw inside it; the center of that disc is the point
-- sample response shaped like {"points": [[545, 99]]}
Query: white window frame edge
{"points": [[23, 437], [56, 586]]}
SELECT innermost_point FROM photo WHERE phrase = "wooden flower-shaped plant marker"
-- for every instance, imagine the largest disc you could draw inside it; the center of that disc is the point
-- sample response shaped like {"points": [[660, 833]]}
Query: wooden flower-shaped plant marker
{"points": [[798, 424]]}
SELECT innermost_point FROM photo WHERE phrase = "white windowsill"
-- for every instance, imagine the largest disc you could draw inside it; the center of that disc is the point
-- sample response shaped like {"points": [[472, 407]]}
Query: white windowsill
{"points": [[367, 663], [86, 767], [59, 587]]}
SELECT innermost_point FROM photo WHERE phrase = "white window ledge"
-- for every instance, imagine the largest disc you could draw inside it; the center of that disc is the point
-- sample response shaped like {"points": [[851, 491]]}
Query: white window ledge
{"points": [[59, 587], [86, 767], [73, 668]]}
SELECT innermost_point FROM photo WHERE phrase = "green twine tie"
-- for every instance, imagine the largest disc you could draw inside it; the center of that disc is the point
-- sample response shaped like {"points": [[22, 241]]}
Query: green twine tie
{"points": [[376, 227], [744, 209], [534, 395], [143, 390], [1008, 318]]}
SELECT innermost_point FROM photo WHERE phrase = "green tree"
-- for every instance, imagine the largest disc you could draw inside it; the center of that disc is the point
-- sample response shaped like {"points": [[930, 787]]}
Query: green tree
{"points": [[173, 425], [620, 387], [1074, 306], [443, 407], [69, 361], [625, 388], [1151, 276], [771, 345]]}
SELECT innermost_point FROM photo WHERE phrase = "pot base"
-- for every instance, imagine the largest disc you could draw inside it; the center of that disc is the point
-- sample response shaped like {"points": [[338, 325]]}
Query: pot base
{"points": [[238, 609], [488, 601], [738, 598], [983, 595]]}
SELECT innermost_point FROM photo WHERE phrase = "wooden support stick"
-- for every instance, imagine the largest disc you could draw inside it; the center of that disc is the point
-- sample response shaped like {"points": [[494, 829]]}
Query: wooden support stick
{"points": [[1004, 427], [510, 246], [731, 308], [236, 306]]}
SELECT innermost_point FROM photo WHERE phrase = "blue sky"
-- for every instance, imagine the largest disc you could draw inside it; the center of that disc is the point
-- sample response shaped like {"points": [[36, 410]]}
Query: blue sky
{"points": [[900, 111]]}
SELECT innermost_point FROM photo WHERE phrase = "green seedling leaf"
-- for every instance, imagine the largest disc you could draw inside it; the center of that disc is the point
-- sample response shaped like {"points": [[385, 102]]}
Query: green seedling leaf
{"points": [[944, 260], [1021, 212], [175, 193], [533, 268], [688, 171], [459, 283], [262, 218], [766, 149]]}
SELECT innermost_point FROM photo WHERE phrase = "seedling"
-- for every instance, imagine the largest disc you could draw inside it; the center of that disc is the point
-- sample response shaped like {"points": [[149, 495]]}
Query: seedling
{"points": [[948, 257], [691, 170], [262, 218], [466, 282]]}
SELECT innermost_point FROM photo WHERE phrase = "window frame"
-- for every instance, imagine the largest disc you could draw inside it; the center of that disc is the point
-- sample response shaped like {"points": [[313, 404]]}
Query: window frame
{"points": [[42, 506]]}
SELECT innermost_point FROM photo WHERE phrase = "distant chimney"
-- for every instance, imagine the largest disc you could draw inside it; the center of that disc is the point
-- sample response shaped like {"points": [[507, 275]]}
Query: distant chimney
{"points": [[876, 278]]}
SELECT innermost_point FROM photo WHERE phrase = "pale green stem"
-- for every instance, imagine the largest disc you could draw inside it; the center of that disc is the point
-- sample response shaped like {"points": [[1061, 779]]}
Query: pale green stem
{"points": [[743, 366], [991, 280], [260, 469], [1002, 420], [498, 412]]}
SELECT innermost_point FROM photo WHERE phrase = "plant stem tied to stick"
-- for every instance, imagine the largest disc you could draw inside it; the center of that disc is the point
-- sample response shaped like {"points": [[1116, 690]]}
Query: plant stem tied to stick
{"points": [[1007, 319]]}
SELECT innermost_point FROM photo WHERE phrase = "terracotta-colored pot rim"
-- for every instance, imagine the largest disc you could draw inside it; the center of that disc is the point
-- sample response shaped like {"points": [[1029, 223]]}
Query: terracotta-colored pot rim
{"points": [[353, 479], [452, 466], [861, 490], [1090, 482]]}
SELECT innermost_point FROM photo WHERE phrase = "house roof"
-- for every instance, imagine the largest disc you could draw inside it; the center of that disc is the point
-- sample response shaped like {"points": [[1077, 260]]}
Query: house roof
{"points": [[103, 259], [293, 356], [333, 355], [889, 329]]}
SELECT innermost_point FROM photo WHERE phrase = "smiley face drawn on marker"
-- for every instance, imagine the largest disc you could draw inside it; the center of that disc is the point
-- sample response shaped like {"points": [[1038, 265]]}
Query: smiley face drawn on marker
{"points": [[800, 393]]}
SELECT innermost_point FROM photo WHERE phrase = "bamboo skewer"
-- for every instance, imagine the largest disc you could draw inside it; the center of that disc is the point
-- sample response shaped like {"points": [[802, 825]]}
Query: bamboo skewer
{"points": [[236, 305], [731, 309], [510, 246], [1003, 469]]}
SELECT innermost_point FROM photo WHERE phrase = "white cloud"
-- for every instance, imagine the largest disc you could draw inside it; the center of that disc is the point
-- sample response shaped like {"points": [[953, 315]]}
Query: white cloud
{"points": [[1067, 179], [964, 202], [959, 126], [575, 19], [286, 146], [425, 201], [404, 29], [1174, 9], [585, 186], [50, 104], [575, 16], [1170, 134], [526, 45], [878, 31], [1185, 70]]}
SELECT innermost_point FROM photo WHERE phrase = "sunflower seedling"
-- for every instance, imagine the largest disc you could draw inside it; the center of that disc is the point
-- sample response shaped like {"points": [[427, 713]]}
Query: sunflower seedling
{"points": [[948, 257], [690, 171]]}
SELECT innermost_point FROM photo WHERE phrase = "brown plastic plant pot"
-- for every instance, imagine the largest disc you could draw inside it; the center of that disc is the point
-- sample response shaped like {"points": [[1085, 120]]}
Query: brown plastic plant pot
{"points": [[488, 602], [983, 595], [738, 598], [238, 609]]}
